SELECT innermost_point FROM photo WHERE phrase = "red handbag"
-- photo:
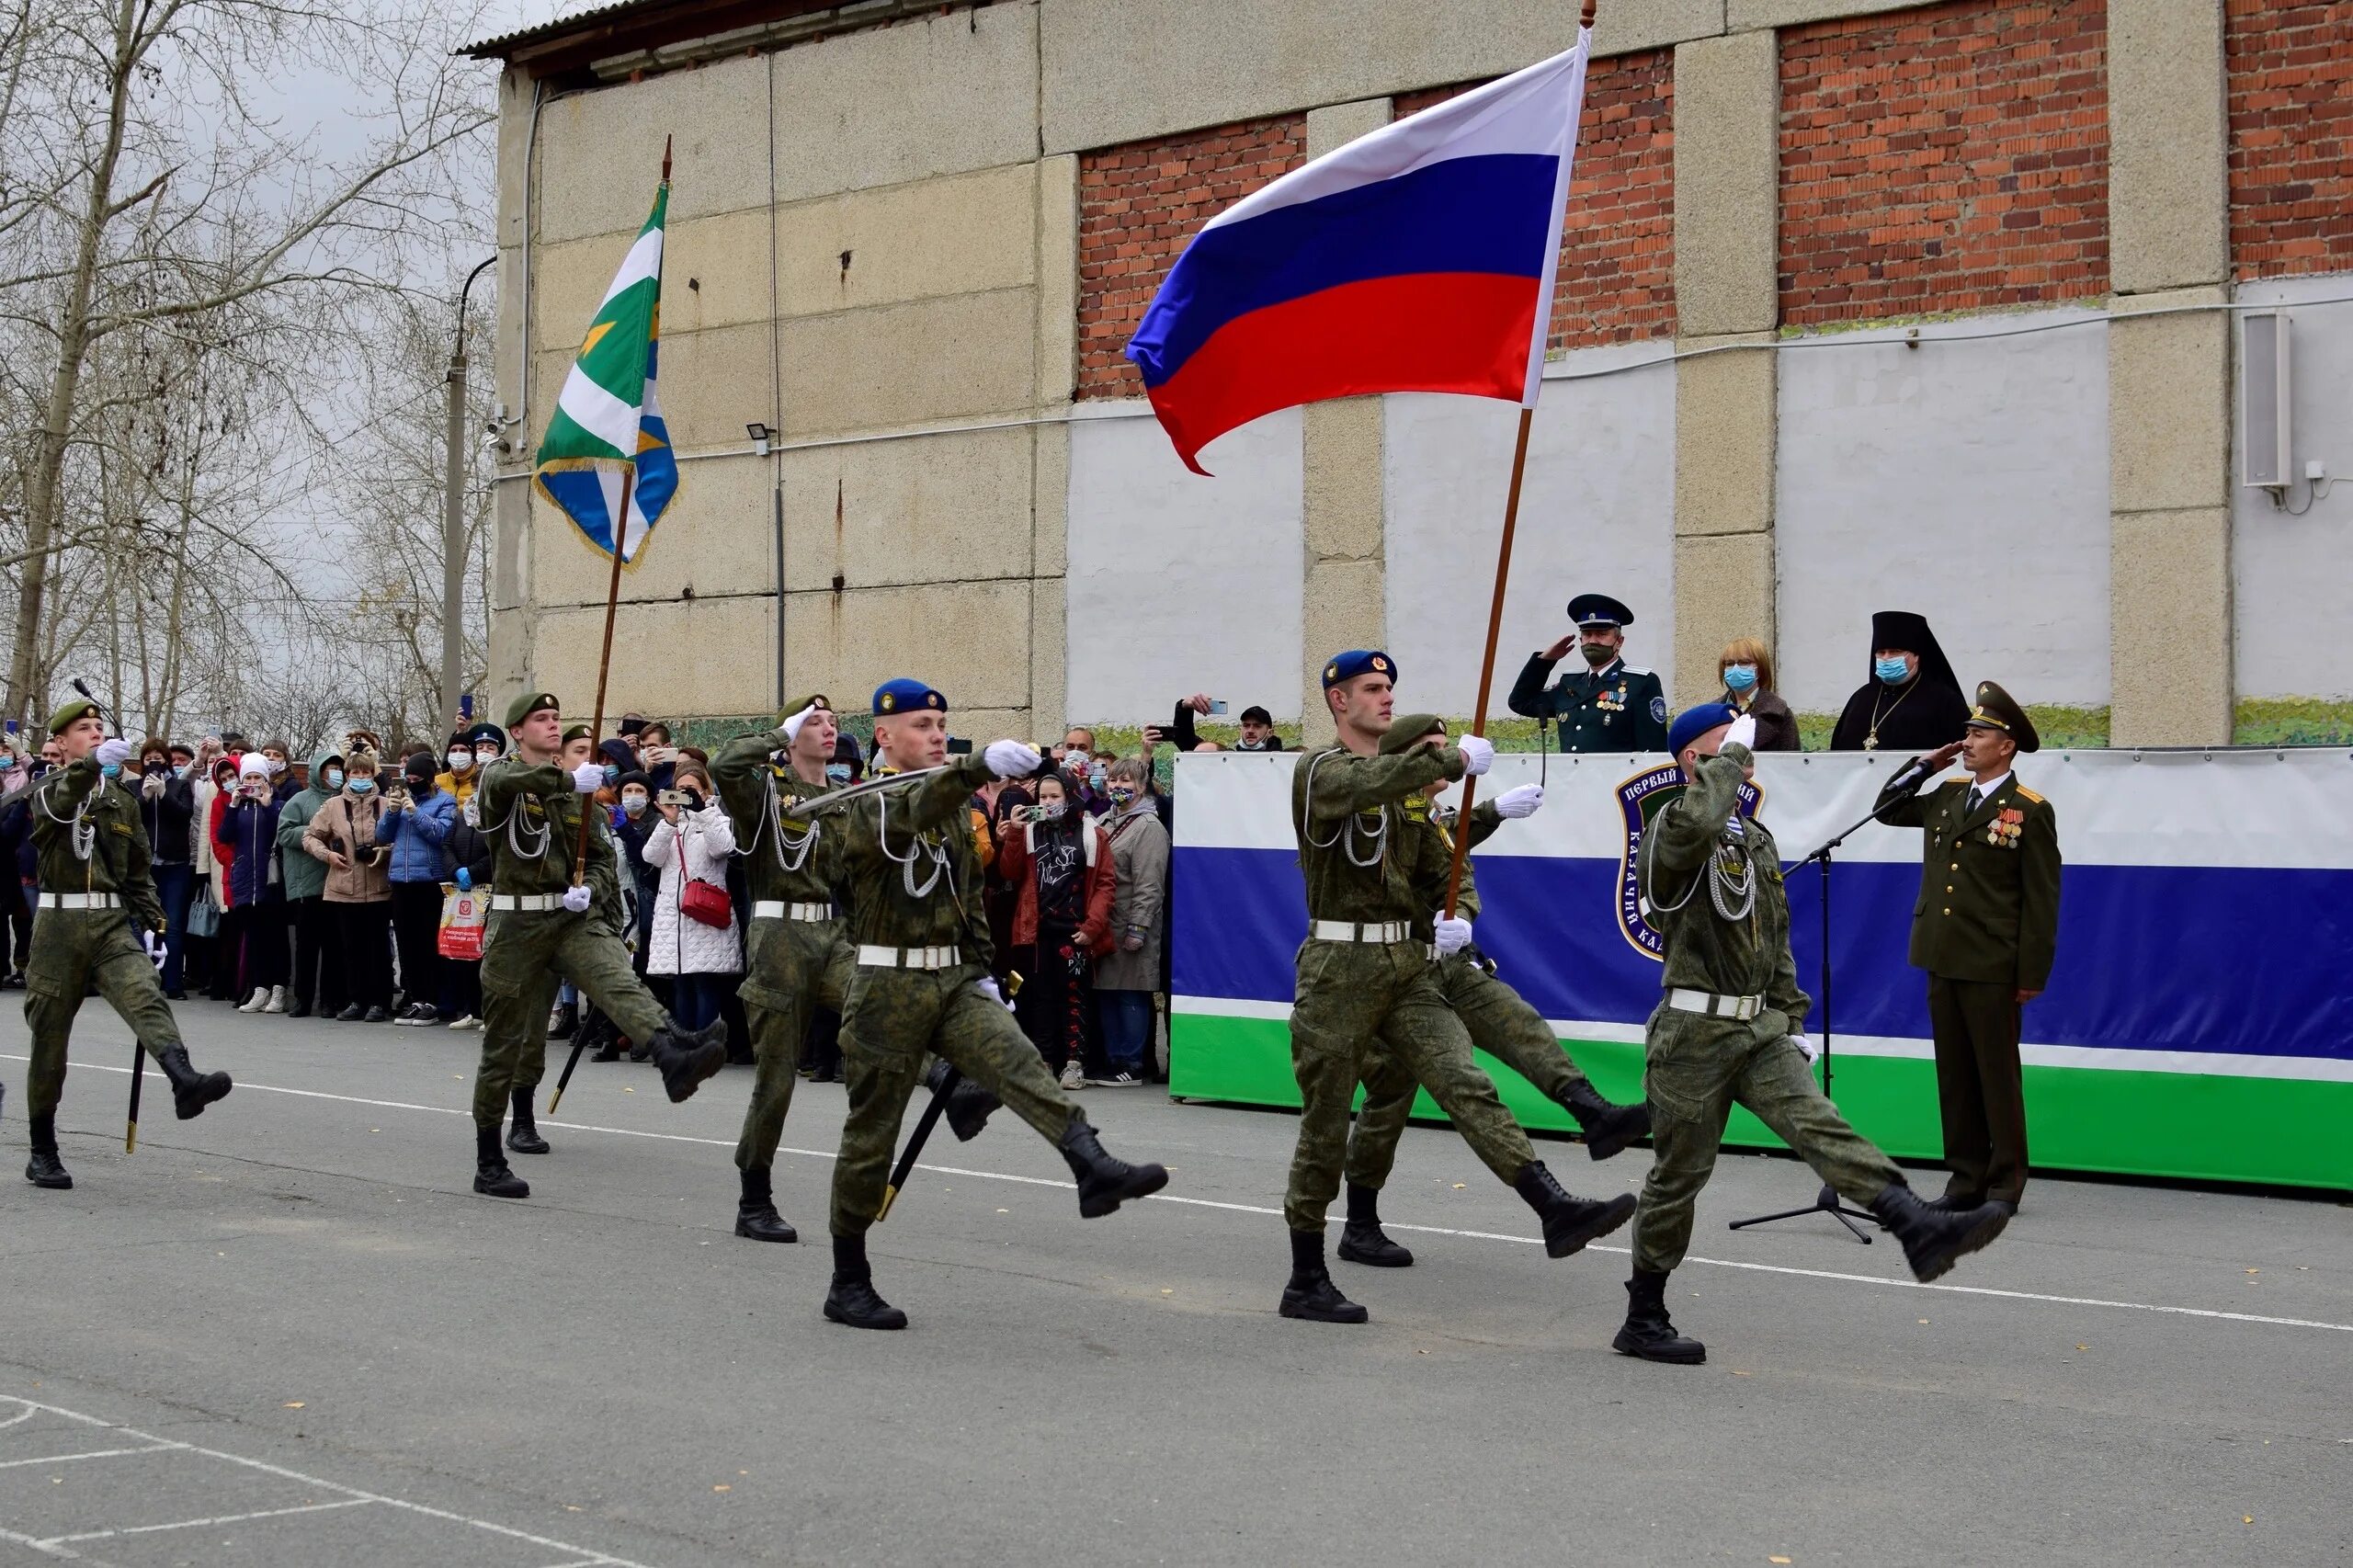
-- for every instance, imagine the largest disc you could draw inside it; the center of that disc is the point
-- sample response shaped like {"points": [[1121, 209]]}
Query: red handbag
{"points": [[706, 903]]}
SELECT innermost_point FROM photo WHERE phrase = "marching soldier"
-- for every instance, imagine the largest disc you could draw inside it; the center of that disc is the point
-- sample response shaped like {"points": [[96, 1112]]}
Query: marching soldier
{"points": [[1500, 1021], [922, 984], [799, 945], [1725, 1032], [93, 866], [1370, 1000], [1986, 928], [1608, 706], [543, 931]]}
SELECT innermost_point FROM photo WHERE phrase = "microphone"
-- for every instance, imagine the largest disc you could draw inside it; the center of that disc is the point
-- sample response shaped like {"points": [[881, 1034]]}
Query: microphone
{"points": [[1917, 772]]}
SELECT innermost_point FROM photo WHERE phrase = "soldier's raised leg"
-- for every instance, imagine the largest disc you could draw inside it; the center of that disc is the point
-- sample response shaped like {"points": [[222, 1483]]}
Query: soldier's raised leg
{"points": [[596, 961], [1503, 1024]]}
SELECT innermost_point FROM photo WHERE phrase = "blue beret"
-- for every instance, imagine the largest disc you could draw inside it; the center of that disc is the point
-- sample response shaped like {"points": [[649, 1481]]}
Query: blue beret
{"points": [[905, 695], [1357, 662], [1695, 721]]}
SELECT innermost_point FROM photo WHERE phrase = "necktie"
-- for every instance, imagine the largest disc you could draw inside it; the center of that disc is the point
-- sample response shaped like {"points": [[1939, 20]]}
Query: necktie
{"points": [[1975, 795]]}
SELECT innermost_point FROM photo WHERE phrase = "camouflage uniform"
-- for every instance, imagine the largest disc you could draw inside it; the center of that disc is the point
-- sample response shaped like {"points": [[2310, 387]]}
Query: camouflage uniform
{"points": [[70, 947], [796, 964], [1374, 1010], [1732, 941], [914, 880]]}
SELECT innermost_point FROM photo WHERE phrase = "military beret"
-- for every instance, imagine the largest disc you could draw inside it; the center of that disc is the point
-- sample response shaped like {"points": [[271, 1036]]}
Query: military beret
{"points": [[798, 704], [905, 695], [1996, 709], [1599, 609], [530, 702], [1695, 721], [1407, 729], [1357, 662], [66, 715], [577, 733]]}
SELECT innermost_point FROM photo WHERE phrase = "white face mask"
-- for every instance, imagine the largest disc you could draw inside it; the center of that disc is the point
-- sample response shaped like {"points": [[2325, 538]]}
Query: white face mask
{"points": [[277, 765], [460, 761]]}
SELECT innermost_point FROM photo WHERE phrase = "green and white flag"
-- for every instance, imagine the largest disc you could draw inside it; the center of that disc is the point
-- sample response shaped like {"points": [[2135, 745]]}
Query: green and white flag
{"points": [[608, 420]]}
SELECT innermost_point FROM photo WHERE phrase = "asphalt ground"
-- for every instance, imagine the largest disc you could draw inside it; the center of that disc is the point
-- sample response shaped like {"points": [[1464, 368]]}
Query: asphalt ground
{"points": [[288, 1333]]}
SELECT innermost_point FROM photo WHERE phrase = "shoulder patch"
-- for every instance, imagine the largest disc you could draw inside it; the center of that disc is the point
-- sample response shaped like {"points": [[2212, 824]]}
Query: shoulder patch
{"points": [[2023, 793], [1638, 670]]}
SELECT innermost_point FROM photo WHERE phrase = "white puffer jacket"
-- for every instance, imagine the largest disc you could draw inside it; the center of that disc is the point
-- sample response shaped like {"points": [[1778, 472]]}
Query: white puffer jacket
{"points": [[704, 840]]}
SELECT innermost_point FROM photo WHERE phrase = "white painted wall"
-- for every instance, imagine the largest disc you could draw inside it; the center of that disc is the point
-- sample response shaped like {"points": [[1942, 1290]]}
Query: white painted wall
{"points": [[1597, 513], [1179, 584], [2292, 577], [1967, 480]]}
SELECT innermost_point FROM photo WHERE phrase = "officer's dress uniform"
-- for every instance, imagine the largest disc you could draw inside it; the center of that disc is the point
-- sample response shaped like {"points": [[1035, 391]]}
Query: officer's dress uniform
{"points": [[800, 954], [1615, 708]]}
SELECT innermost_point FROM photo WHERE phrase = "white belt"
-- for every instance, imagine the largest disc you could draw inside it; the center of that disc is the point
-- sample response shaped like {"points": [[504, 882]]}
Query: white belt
{"points": [[1381, 931], [909, 958], [777, 909], [527, 900], [80, 900], [1713, 1005]]}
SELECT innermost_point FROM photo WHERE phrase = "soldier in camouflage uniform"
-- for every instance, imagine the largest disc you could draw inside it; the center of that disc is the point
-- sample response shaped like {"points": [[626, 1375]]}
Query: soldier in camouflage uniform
{"points": [[544, 930], [1368, 998], [799, 945], [1725, 1032], [922, 984], [93, 861], [1500, 1021]]}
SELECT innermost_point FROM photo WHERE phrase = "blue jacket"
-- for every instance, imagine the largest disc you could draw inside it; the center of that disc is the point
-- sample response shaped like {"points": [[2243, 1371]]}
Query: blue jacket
{"points": [[420, 837], [249, 829]]}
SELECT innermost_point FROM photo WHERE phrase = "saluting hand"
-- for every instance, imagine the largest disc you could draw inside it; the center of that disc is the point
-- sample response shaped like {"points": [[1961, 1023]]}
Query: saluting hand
{"points": [[1560, 650], [1942, 757]]}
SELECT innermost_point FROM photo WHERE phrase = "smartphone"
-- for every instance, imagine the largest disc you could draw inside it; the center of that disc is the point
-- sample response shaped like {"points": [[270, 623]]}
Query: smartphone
{"points": [[670, 798], [14, 726], [630, 727], [1217, 705], [466, 705], [958, 746]]}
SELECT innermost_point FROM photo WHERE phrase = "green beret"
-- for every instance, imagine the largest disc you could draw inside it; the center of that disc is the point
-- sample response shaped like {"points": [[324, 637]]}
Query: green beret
{"points": [[577, 733], [530, 702], [815, 699], [1407, 728], [71, 711]]}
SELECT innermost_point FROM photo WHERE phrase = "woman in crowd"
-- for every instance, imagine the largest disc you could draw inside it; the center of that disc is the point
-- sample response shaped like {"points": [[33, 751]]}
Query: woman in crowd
{"points": [[253, 928], [358, 896], [1059, 863], [469, 863], [1746, 669], [205, 970], [166, 808], [316, 985], [691, 846], [417, 824], [1129, 975]]}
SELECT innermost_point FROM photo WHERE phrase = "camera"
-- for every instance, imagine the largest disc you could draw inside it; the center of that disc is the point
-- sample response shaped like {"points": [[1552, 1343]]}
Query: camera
{"points": [[672, 798]]}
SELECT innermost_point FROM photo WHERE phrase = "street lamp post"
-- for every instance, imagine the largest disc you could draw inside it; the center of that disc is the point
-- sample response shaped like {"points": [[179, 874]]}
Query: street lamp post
{"points": [[453, 519]]}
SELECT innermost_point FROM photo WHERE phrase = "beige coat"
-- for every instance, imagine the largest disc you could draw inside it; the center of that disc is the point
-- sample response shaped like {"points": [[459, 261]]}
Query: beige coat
{"points": [[347, 821]]}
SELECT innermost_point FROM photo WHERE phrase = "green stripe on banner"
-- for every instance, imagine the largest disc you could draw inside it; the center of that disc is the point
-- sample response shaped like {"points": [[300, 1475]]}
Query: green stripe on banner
{"points": [[2268, 1131]]}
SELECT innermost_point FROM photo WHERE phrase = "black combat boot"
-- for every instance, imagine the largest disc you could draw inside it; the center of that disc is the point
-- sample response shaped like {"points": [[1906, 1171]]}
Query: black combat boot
{"points": [[1935, 1239], [1609, 1127], [969, 1105], [44, 1169], [1105, 1183], [687, 1059], [491, 1178], [523, 1137], [566, 1020], [606, 1036], [1648, 1333], [1362, 1240], [1309, 1295], [755, 1215], [1569, 1222], [191, 1090], [851, 1299]]}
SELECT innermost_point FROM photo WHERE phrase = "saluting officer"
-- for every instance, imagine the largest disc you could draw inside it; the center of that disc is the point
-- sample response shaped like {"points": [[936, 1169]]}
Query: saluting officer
{"points": [[1608, 706], [1985, 928]]}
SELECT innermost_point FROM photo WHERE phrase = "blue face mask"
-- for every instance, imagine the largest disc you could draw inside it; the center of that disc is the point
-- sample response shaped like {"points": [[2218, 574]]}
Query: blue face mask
{"points": [[1740, 677], [181, 771], [837, 773], [1891, 671], [613, 774], [110, 769], [361, 785], [334, 778]]}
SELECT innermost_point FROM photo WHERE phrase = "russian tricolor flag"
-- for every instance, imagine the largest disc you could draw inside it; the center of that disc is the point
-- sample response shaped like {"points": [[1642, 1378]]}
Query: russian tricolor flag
{"points": [[1419, 258]]}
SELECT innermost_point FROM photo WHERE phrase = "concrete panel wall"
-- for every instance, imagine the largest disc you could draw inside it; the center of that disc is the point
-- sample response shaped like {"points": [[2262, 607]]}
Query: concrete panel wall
{"points": [[1179, 584], [1596, 513], [1965, 479], [963, 234], [915, 363], [600, 153], [938, 508], [971, 639], [2293, 575], [729, 643], [718, 537]]}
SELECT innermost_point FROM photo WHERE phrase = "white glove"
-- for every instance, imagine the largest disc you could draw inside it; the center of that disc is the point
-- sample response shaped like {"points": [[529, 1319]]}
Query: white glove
{"points": [[1011, 759], [576, 899], [1519, 801], [155, 946], [1477, 755], [1742, 731], [1453, 935], [987, 982], [1805, 1043], [793, 725], [589, 777], [114, 750]]}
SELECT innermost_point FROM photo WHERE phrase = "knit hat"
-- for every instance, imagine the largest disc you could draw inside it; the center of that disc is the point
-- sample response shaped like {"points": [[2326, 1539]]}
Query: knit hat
{"points": [[252, 764]]}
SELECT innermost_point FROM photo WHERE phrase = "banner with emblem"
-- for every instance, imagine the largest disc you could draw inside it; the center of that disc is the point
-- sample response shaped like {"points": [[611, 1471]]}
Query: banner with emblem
{"points": [[1640, 801]]}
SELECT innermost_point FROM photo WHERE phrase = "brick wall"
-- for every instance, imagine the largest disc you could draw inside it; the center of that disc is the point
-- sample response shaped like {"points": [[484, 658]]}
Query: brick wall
{"points": [[1137, 206], [1952, 158], [2290, 82], [1617, 281]]}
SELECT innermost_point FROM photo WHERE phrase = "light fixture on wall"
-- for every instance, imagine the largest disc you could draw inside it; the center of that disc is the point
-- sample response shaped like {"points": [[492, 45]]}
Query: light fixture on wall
{"points": [[759, 433], [2267, 411]]}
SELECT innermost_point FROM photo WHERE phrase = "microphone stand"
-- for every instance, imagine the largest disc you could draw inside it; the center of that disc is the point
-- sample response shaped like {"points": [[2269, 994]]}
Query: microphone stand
{"points": [[1827, 1200]]}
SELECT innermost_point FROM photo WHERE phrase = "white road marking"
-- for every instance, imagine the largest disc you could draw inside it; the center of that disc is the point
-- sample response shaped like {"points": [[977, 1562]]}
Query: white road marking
{"points": [[1391, 1224], [94, 1454], [217, 1520]]}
